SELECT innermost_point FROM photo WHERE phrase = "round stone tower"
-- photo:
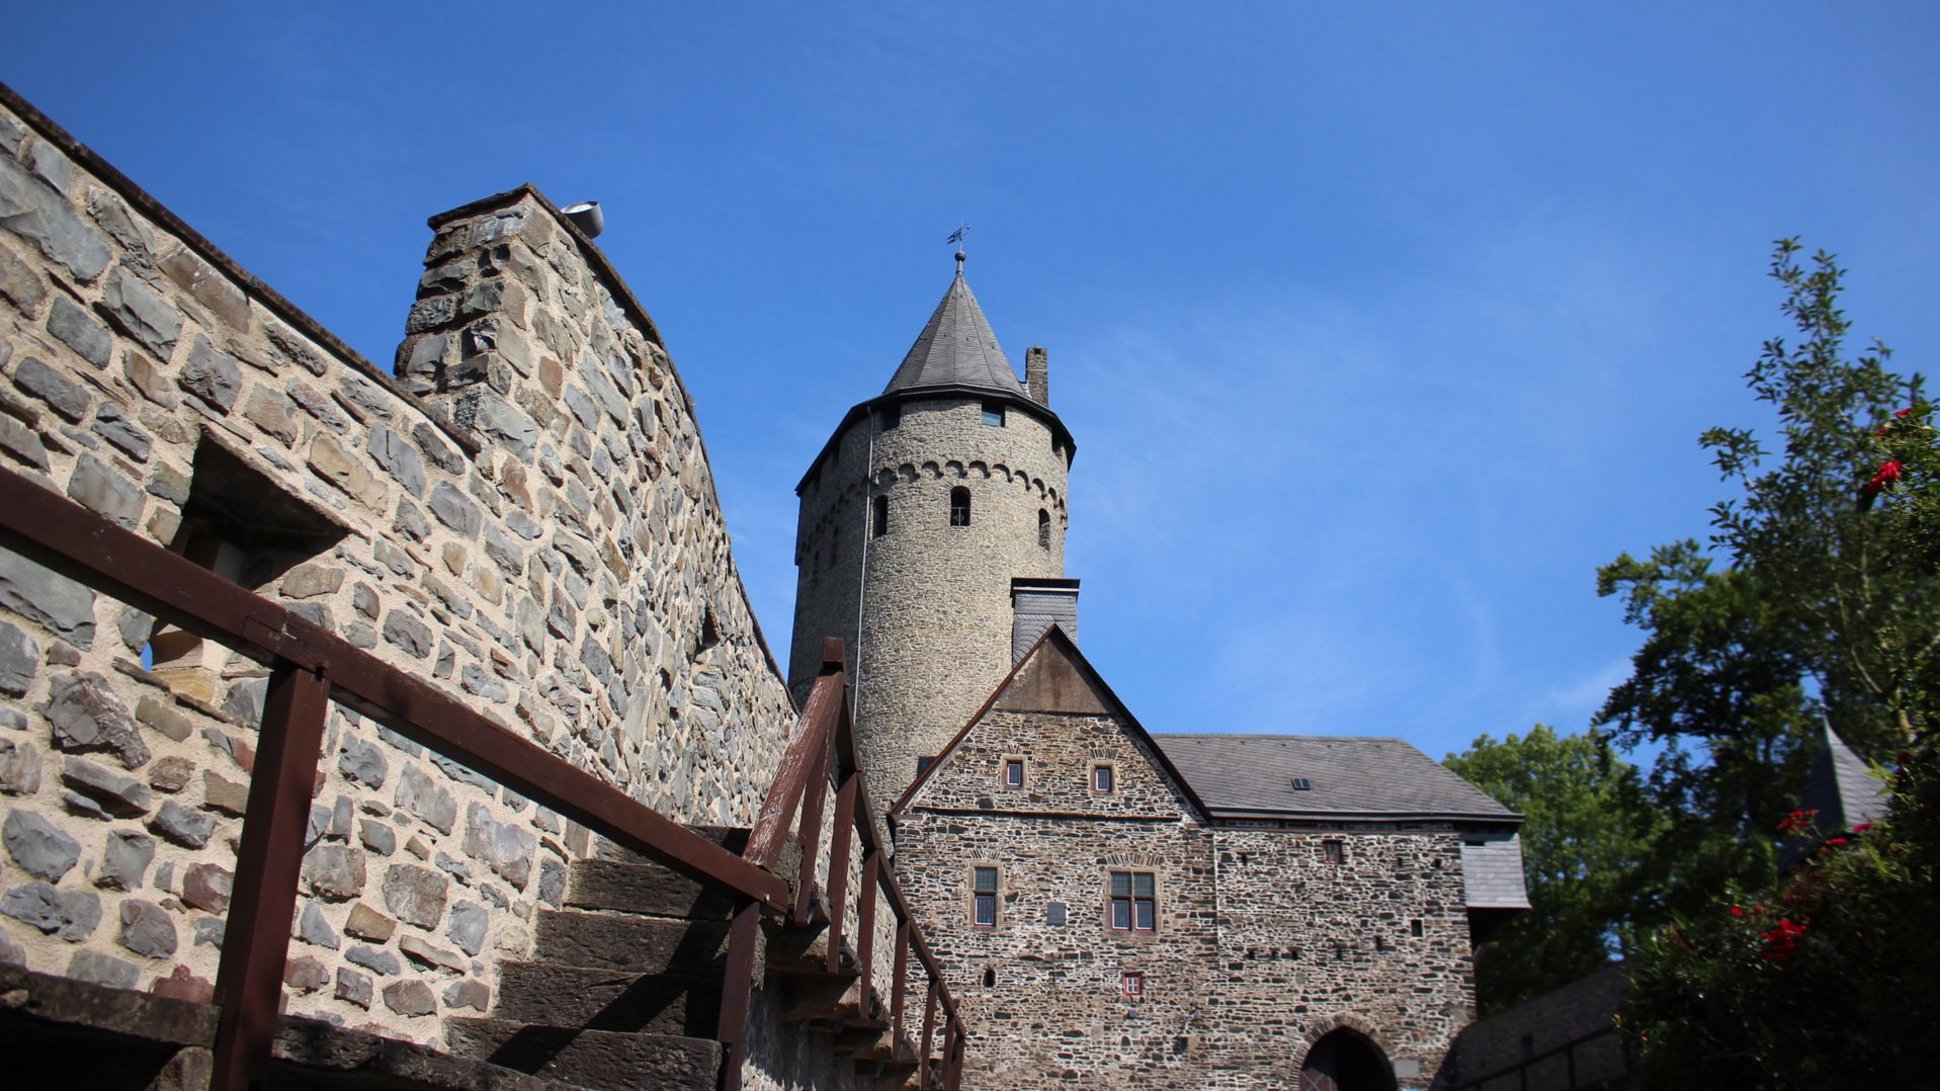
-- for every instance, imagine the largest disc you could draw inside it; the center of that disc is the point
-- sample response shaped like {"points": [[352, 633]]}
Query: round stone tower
{"points": [[923, 507]]}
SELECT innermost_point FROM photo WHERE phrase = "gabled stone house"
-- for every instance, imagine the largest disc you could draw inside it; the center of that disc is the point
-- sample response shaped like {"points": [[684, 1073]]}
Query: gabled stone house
{"points": [[1117, 908]]}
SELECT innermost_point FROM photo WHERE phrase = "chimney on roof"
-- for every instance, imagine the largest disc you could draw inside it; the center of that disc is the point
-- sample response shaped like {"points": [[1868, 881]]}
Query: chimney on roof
{"points": [[1037, 375], [1036, 604]]}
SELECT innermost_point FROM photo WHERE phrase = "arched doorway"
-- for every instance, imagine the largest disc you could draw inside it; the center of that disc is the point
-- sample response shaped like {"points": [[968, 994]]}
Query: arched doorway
{"points": [[1346, 1061]]}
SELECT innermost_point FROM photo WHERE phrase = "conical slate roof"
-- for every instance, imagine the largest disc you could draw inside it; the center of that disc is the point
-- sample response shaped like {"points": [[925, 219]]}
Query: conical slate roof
{"points": [[957, 348]]}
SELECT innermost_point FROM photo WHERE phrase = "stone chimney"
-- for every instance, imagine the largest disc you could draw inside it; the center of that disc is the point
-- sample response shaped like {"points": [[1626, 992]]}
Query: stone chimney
{"points": [[1036, 603], [1037, 375]]}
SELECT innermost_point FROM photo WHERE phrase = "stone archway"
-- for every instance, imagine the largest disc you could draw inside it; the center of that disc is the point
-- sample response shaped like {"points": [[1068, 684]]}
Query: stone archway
{"points": [[1343, 1059]]}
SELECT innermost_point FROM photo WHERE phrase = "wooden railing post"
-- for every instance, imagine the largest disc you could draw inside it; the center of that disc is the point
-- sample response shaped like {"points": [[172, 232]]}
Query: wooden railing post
{"points": [[900, 990], [256, 938], [929, 1028], [866, 925], [839, 835], [737, 991], [953, 1060]]}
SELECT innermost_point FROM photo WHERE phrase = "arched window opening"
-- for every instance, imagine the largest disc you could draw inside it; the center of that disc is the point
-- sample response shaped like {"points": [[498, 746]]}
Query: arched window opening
{"points": [[879, 526], [1043, 529], [1346, 1061], [959, 507]]}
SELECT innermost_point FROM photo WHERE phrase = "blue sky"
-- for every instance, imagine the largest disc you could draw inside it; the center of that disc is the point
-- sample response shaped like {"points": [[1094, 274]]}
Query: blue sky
{"points": [[1379, 328]]}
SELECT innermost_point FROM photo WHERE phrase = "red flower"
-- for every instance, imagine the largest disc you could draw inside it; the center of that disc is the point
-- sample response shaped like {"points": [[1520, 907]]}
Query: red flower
{"points": [[1862, 827], [1781, 941], [1737, 912], [1902, 414], [1836, 842], [1797, 821]]}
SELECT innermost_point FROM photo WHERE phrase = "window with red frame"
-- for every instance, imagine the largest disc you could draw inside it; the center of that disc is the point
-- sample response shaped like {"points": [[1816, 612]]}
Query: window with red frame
{"points": [[1134, 908]]}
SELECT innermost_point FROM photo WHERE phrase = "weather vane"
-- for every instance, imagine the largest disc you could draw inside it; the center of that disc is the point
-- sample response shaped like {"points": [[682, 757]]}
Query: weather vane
{"points": [[956, 237]]}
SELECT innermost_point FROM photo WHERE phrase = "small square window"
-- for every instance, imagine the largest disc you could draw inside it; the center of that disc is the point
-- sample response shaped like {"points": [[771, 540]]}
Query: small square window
{"points": [[1131, 985], [1101, 778], [1014, 772], [993, 414], [1302, 784], [890, 418], [983, 882], [1334, 851]]}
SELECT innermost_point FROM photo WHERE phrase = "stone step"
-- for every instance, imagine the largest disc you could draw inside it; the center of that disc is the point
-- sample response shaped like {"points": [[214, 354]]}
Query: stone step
{"points": [[642, 945], [550, 994], [644, 888], [732, 838], [604, 1059]]}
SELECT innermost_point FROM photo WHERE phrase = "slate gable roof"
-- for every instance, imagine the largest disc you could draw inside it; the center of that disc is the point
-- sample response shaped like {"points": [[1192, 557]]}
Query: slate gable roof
{"points": [[957, 348], [1368, 778]]}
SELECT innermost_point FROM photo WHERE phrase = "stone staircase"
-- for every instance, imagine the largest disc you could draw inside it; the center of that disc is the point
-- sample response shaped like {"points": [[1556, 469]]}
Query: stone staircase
{"points": [[623, 992]]}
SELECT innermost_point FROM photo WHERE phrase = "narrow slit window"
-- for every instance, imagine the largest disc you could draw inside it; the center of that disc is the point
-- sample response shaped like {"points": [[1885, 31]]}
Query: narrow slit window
{"points": [[879, 522], [984, 894], [1043, 529], [1414, 928], [959, 507], [1014, 773], [1134, 905], [1101, 779], [993, 414]]}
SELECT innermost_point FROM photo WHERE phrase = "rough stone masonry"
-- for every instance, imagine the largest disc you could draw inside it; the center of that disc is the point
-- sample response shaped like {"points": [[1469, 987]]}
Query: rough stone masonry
{"points": [[520, 512]]}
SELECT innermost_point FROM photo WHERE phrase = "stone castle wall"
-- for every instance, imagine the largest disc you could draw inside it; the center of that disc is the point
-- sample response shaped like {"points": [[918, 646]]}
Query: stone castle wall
{"points": [[523, 516], [938, 594], [1306, 945]]}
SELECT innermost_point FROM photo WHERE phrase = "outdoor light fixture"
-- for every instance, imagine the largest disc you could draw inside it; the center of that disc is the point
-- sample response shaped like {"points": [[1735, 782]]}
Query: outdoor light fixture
{"points": [[586, 216]]}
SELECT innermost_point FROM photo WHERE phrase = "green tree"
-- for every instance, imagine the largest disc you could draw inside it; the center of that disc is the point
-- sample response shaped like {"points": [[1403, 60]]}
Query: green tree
{"points": [[1826, 606], [1815, 613], [1586, 828]]}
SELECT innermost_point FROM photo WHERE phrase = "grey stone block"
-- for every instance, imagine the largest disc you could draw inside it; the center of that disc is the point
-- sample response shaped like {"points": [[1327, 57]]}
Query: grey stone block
{"points": [[467, 926], [125, 860], [62, 395], [410, 998], [96, 487], [37, 846], [184, 827], [383, 962], [407, 632], [87, 716], [19, 768], [20, 441], [211, 375], [419, 795], [142, 313], [399, 458], [19, 660], [364, 762], [100, 969], [117, 429], [118, 795], [415, 895], [74, 328], [311, 927], [334, 872], [147, 929], [377, 836], [353, 987], [207, 887], [71, 915], [51, 165], [453, 510], [504, 848], [42, 217]]}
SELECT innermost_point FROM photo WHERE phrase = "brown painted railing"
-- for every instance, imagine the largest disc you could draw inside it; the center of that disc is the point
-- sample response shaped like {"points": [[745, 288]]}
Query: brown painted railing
{"points": [[309, 668], [823, 749]]}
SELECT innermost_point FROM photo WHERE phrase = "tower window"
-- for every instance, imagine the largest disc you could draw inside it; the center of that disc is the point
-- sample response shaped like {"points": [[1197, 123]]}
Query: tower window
{"points": [[889, 418], [879, 524], [993, 414], [959, 507], [1043, 529], [983, 883], [1134, 906]]}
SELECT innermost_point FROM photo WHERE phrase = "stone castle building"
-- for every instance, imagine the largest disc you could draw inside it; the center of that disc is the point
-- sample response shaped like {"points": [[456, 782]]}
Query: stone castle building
{"points": [[1117, 908], [519, 511]]}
